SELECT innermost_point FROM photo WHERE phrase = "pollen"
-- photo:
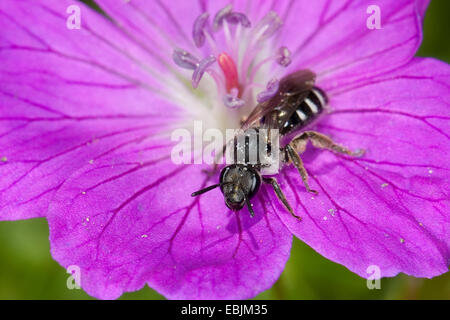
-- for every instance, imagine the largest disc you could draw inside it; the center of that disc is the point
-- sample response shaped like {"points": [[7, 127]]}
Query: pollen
{"points": [[4, 159]]}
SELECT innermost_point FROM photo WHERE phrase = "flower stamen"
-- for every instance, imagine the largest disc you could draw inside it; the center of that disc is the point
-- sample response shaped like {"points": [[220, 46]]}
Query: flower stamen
{"points": [[268, 25], [271, 90], [201, 69], [185, 60], [198, 29], [220, 16], [232, 101], [238, 53], [284, 56], [238, 17]]}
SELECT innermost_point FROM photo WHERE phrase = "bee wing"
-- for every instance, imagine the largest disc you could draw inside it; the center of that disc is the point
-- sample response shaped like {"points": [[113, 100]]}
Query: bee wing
{"points": [[294, 86], [278, 117], [297, 82], [260, 111]]}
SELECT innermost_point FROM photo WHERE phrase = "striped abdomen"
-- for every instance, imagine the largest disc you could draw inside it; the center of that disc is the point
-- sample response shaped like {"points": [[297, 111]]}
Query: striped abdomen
{"points": [[306, 112]]}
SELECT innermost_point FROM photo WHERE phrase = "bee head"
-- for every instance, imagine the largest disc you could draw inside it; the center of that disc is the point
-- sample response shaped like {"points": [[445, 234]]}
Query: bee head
{"points": [[239, 183]]}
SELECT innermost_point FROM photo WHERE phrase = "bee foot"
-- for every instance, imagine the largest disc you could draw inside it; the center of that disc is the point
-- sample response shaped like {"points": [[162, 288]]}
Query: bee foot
{"points": [[209, 172], [358, 153]]}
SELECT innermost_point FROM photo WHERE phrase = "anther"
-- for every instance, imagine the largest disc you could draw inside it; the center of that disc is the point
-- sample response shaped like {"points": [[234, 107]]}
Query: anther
{"points": [[269, 25], [238, 17], [201, 69], [198, 29], [185, 60], [231, 99], [284, 58], [220, 15], [271, 89]]}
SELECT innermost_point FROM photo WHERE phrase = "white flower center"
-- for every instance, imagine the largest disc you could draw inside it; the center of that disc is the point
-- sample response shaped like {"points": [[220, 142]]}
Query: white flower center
{"points": [[239, 61]]}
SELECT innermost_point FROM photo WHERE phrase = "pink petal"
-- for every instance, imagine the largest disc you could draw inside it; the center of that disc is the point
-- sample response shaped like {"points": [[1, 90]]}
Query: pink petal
{"points": [[157, 25], [63, 104], [390, 207], [78, 128], [335, 42], [129, 220]]}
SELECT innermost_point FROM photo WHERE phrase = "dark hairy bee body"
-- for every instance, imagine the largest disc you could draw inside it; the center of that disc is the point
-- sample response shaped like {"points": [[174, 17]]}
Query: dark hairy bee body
{"points": [[295, 105], [303, 113], [306, 111]]}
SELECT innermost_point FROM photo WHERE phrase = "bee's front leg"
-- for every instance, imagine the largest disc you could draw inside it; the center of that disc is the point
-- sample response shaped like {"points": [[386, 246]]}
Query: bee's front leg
{"points": [[211, 172], [280, 195]]}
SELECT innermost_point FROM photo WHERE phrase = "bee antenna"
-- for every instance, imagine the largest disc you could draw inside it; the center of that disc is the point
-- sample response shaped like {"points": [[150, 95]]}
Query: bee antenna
{"points": [[202, 191]]}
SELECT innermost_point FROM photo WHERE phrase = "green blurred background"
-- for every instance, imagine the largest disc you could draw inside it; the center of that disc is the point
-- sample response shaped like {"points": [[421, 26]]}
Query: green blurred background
{"points": [[27, 270]]}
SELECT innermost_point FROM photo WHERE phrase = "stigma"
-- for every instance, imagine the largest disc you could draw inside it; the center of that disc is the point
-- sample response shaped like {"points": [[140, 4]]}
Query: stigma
{"points": [[229, 70], [231, 50]]}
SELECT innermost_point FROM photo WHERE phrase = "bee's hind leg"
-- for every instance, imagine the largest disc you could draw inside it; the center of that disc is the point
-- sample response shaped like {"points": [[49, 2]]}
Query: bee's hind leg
{"points": [[321, 141], [298, 146], [280, 195]]}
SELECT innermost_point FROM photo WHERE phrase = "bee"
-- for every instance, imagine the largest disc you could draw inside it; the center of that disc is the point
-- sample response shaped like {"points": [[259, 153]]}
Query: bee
{"points": [[293, 108]]}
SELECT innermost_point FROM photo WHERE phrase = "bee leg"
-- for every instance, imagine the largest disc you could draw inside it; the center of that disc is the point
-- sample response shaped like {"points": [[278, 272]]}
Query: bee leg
{"points": [[280, 195], [321, 141], [211, 172], [249, 207], [298, 163]]}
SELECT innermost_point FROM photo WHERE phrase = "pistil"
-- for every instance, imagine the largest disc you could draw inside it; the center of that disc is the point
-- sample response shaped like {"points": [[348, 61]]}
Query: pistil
{"points": [[229, 70]]}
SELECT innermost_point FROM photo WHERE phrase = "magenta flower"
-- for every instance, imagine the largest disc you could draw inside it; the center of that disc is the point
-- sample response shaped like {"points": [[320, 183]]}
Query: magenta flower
{"points": [[86, 117]]}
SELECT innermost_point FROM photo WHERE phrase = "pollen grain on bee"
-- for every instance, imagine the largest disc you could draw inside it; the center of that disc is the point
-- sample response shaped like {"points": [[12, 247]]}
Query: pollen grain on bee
{"points": [[253, 146]]}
